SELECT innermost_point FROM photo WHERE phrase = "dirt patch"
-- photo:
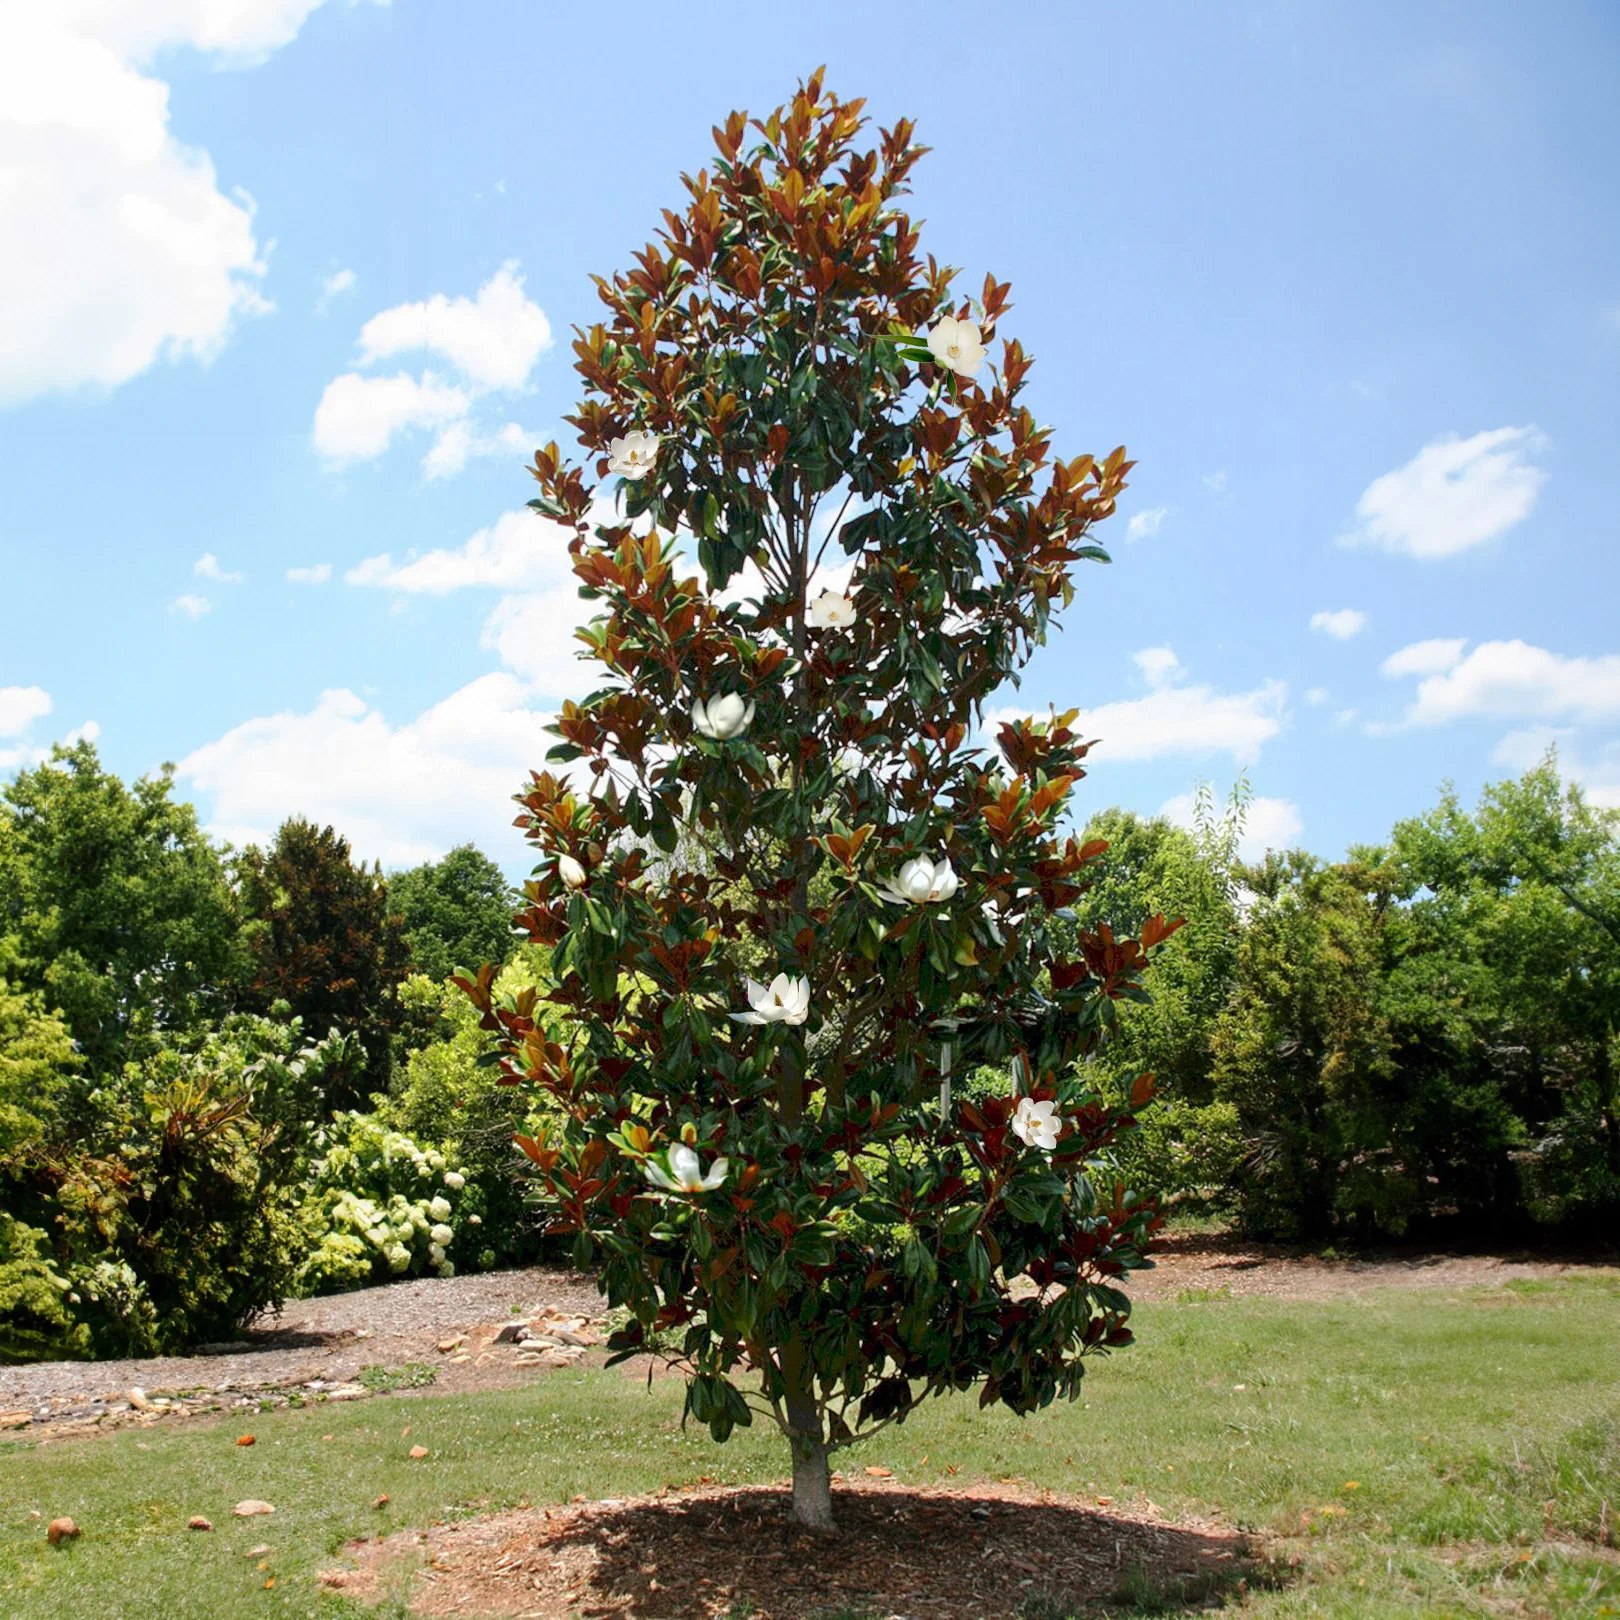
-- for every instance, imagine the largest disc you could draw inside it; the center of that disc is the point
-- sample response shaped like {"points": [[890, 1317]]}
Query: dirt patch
{"points": [[979, 1554], [1218, 1264]]}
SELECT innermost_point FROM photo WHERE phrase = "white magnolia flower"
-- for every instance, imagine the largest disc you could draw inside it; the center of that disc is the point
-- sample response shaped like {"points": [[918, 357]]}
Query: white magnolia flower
{"points": [[957, 346], [1035, 1124], [439, 1208], [722, 717], [570, 871], [830, 611], [782, 1001], [633, 455], [454, 1180], [922, 882], [441, 1234], [685, 1172]]}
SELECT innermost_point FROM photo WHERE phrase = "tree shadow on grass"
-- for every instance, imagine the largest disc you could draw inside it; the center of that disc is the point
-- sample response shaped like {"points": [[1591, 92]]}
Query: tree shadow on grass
{"points": [[989, 1553]]}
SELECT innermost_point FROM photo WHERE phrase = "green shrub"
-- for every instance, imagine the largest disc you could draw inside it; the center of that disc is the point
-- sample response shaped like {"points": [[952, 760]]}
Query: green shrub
{"points": [[382, 1205], [36, 1305], [447, 1094]]}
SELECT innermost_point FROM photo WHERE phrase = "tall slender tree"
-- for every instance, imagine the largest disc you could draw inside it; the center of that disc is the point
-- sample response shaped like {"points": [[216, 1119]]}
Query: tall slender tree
{"points": [[762, 1141]]}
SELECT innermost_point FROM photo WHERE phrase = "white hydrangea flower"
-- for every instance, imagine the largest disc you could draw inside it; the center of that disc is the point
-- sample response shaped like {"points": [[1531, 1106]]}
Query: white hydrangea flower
{"points": [[435, 1252], [441, 1234], [439, 1208], [399, 1257], [454, 1180], [447, 1268]]}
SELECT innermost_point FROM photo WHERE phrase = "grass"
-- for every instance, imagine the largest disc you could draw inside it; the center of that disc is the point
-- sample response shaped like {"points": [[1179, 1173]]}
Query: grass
{"points": [[1436, 1454]]}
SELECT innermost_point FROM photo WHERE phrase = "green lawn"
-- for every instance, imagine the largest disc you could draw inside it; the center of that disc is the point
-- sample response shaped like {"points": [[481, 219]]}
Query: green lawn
{"points": [[1411, 1447]]}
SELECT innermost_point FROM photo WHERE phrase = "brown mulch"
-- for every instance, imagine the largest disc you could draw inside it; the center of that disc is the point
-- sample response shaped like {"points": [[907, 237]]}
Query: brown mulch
{"points": [[972, 1554]]}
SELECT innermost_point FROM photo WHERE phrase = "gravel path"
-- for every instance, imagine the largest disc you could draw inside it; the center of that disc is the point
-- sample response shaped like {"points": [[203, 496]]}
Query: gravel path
{"points": [[325, 1341], [317, 1348]]}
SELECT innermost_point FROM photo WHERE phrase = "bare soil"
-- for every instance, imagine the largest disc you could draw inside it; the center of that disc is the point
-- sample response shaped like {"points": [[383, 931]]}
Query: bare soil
{"points": [[902, 1552]]}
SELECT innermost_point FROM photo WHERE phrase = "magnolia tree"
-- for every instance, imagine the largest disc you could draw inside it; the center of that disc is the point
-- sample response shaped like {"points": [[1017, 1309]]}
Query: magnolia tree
{"points": [[786, 893]]}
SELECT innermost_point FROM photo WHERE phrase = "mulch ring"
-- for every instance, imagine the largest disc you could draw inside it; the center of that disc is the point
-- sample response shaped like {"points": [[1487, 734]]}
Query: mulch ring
{"points": [[981, 1553]]}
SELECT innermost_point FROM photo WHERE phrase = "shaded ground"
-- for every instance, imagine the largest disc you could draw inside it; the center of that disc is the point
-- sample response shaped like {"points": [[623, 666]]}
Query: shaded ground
{"points": [[974, 1554], [313, 1348], [1223, 1263]]}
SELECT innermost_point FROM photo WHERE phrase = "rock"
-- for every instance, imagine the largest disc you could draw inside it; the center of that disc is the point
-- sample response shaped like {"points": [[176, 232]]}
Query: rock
{"points": [[261, 1551], [245, 1440], [511, 1333], [252, 1506], [333, 1577], [60, 1530], [447, 1345], [348, 1392], [15, 1420], [567, 1336], [418, 1451], [460, 1357], [137, 1399], [198, 1522]]}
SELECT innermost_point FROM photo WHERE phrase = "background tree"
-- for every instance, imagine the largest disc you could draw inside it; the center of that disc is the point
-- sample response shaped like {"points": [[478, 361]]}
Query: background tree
{"points": [[779, 1180], [457, 912], [323, 940], [114, 906]]}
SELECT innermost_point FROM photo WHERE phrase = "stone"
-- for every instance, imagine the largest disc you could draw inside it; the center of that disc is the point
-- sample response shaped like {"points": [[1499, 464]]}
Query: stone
{"points": [[15, 1420], [251, 1508], [445, 1346], [137, 1399], [198, 1522], [511, 1333], [261, 1551], [418, 1452]]}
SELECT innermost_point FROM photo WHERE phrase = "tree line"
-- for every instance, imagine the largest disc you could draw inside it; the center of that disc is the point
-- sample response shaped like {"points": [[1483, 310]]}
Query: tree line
{"points": [[231, 1076]]}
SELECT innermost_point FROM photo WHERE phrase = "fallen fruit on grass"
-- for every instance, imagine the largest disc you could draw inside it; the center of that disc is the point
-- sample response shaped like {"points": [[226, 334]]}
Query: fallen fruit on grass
{"points": [[418, 1451], [198, 1522], [257, 1552], [247, 1509], [60, 1530], [382, 1501], [245, 1440]]}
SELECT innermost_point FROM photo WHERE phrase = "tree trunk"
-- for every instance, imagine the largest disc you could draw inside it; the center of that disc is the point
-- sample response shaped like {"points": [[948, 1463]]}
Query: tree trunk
{"points": [[812, 1477]]}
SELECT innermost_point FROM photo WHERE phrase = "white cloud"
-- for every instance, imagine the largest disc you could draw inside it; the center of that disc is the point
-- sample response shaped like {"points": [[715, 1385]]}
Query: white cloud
{"points": [[315, 574], [458, 443], [1144, 525], [20, 707], [358, 416], [1192, 720], [1316, 696], [1215, 481], [192, 606], [1453, 494], [1514, 680], [520, 551], [400, 794], [1344, 717], [534, 635], [1425, 657], [134, 254], [493, 340], [491, 343], [1600, 777], [1158, 664], [1341, 624], [333, 287], [1267, 823], [207, 567]]}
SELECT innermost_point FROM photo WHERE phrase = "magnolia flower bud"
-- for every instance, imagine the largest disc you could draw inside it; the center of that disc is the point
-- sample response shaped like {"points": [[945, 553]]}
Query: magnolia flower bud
{"points": [[722, 717], [570, 871]]}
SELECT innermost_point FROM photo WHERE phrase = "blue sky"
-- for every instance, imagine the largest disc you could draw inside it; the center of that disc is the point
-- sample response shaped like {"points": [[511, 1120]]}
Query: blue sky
{"points": [[297, 293]]}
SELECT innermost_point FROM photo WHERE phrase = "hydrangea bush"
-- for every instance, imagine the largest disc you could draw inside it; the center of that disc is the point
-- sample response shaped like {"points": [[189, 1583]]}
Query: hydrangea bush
{"points": [[787, 889], [381, 1206]]}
